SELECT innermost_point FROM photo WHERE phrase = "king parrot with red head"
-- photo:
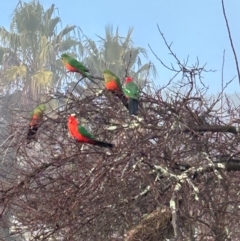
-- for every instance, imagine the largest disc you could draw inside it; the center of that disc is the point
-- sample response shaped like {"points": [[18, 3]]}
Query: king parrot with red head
{"points": [[80, 134], [131, 91]]}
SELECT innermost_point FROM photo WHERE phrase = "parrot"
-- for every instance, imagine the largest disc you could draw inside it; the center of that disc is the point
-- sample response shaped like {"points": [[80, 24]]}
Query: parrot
{"points": [[36, 118], [131, 91], [82, 135], [112, 82], [73, 65]]}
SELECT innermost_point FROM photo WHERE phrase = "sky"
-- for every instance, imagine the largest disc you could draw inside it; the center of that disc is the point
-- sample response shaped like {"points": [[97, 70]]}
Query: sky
{"points": [[196, 29]]}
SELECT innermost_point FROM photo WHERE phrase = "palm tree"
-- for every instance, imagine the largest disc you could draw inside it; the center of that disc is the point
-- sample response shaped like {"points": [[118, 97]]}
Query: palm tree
{"points": [[119, 55], [29, 54]]}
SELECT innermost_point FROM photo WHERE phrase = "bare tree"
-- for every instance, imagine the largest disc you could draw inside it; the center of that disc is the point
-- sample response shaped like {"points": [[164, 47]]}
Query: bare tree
{"points": [[172, 174]]}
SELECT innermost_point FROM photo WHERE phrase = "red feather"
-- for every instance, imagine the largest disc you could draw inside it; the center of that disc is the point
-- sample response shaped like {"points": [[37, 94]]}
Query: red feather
{"points": [[73, 130]]}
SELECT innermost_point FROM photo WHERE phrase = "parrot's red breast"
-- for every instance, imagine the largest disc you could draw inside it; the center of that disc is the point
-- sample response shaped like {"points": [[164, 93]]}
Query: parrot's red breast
{"points": [[73, 129], [70, 68], [34, 121], [112, 85]]}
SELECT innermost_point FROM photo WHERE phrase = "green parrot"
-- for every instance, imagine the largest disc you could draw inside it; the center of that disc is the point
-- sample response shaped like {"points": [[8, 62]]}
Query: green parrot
{"points": [[112, 82], [73, 65], [36, 118], [131, 91]]}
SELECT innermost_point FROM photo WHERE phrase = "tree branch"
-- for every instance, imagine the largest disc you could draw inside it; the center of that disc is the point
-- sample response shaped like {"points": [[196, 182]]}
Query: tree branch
{"points": [[214, 128], [230, 38]]}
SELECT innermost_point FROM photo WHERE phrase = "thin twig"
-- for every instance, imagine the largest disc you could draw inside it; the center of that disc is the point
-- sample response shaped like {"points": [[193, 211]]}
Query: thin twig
{"points": [[230, 38]]}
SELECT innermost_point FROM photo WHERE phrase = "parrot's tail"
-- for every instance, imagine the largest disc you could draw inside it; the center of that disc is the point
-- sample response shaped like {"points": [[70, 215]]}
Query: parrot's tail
{"points": [[132, 106], [90, 78], [102, 144], [31, 132]]}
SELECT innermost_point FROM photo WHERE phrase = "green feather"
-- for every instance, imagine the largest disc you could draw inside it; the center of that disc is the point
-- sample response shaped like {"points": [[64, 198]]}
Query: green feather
{"points": [[38, 111], [85, 133], [76, 64], [131, 90], [66, 59]]}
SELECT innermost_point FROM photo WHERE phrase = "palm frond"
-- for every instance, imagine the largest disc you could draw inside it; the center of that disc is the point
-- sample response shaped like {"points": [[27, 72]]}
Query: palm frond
{"points": [[67, 44], [64, 32], [16, 71]]}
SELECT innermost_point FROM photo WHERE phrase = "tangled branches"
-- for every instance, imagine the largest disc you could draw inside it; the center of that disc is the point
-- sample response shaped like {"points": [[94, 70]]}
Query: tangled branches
{"points": [[175, 156]]}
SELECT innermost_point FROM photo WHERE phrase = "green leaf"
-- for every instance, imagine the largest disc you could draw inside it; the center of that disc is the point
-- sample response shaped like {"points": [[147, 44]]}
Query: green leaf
{"points": [[2, 52], [41, 80], [52, 25], [48, 13], [27, 18], [45, 47], [65, 31], [15, 71], [43, 77], [67, 44]]}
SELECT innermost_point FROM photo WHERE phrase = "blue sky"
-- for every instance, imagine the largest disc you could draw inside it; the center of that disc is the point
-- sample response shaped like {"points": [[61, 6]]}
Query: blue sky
{"points": [[196, 28]]}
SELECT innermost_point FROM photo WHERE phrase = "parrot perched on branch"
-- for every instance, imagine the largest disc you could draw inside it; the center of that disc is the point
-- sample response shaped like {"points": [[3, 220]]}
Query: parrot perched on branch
{"points": [[131, 91], [82, 135], [73, 65], [113, 84], [36, 119]]}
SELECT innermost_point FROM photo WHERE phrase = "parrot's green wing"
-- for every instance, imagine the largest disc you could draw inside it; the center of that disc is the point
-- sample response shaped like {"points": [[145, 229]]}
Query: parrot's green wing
{"points": [[131, 90], [85, 133], [38, 111], [76, 64]]}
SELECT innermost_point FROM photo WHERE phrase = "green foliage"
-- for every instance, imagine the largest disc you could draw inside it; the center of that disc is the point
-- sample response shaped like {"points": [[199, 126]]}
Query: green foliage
{"points": [[34, 41], [67, 44], [2, 52], [27, 17], [16, 71], [119, 55], [30, 50], [42, 79]]}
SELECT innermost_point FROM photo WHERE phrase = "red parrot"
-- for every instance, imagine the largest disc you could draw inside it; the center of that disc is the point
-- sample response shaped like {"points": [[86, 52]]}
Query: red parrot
{"points": [[82, 135]]}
